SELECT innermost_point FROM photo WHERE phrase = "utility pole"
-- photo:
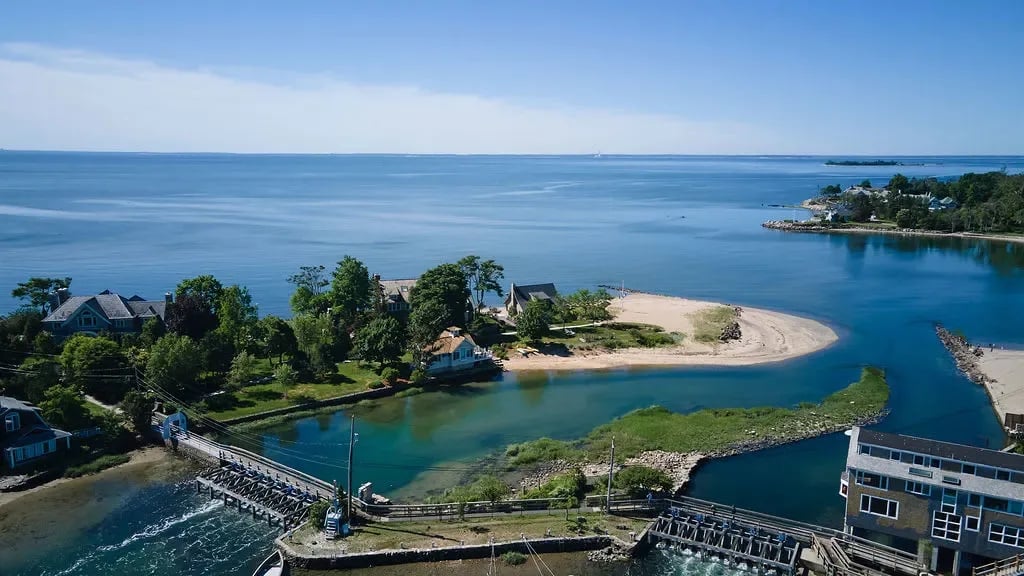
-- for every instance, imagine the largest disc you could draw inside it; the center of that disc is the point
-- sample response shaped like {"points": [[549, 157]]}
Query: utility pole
{"points": [[611, 469], [351, 447]]}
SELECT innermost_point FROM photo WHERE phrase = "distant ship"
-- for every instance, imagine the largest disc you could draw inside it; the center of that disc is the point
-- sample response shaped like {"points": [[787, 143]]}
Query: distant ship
{"points": [[598, 155]]}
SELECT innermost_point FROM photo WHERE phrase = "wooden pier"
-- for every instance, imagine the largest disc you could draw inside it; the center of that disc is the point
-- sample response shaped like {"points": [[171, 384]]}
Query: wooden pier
{"points": [[262, 493], [732, 541]]}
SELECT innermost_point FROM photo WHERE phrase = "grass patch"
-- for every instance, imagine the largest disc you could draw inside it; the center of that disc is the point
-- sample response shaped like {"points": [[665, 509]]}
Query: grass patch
{"points": [[502, 528], [101, 463], [709, 323], [714, 430], [351, 377], [611, 336], [409, 392], [513, 558]]}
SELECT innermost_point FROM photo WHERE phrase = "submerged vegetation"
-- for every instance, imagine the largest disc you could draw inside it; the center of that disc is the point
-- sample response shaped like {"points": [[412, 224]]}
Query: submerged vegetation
{"points": [[714, 431]]}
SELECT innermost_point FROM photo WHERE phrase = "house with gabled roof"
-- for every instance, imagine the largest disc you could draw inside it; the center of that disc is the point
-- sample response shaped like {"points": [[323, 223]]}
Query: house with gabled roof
{"points": [[453, 351], [395, 295], [25, 436], [519, 295], [105, 311]]}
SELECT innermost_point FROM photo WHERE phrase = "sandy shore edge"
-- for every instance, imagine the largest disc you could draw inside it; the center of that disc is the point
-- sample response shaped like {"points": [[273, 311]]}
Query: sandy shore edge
{"points": [[1004, 370], [767, 336]]}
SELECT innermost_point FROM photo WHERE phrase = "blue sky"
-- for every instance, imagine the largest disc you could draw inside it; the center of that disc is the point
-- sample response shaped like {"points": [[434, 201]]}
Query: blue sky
{"points": [[761, 77]]}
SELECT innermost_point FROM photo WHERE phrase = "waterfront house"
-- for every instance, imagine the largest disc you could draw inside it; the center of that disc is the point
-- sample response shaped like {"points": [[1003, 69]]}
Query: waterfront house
{"points": [[25, 436], [966, 502], [395, 295], [946, 203], [518, 296], [105, 311], [454, 351]]}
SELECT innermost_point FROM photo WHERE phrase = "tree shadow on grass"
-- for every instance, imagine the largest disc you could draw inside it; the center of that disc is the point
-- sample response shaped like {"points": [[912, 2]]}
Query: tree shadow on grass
{"points": [[264, 395]]}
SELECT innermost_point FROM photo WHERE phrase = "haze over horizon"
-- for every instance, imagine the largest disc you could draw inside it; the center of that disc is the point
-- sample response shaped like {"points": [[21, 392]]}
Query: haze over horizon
{"points": [[762, 78]]}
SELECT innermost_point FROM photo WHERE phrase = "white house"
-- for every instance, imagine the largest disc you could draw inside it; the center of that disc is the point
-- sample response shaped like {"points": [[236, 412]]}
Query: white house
{"points": [[454, 351]]}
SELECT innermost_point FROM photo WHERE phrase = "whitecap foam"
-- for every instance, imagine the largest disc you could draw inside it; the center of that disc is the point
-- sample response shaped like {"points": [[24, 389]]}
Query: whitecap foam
{"points": [[156, 529]]}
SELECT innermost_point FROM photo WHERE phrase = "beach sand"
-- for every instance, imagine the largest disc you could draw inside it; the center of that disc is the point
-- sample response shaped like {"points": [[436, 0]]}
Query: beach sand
{"points": [[1006, 367], [766, 337]]}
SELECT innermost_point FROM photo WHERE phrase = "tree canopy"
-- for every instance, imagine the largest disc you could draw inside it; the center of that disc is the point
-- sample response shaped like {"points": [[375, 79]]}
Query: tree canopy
{"points": [[236, 315], [532, 322], [381, 340], [350, 288], [483, 277], [64, 408], [191, 316], [174, 364], [36, 291], [426, 321], [640, 480], [444, 285], [278, 337], [138, 410], [206, 289], [311, 294], [94, 364]]}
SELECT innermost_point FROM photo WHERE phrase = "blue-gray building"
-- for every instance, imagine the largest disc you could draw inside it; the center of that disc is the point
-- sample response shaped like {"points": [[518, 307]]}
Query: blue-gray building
{"points": [[105, 311], [25, 436], [962, 506]]}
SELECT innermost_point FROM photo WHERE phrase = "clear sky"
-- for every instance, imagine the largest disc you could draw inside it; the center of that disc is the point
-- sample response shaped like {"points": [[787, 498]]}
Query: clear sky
{"points": [[714, 77]]}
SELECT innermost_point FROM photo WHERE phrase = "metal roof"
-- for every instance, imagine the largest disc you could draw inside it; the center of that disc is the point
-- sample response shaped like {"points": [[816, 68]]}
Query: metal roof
{"points": [[944, 450]]}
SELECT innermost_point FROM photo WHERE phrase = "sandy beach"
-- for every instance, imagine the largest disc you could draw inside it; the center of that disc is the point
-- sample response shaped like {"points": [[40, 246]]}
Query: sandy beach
{"points": [[1005, 370], [766, 337]]}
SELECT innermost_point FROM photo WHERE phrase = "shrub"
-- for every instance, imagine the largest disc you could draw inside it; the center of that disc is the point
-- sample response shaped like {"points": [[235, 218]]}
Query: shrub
{"points": [[375, 385], [101, 463], [286, 375], [390, 376], [418, 376], [639, 480], [318, 512], [513, 558]]}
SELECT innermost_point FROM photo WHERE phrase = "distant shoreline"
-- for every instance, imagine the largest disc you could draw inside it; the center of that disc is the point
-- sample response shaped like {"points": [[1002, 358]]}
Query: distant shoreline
{"points": [[819, 229], [872, 163]]}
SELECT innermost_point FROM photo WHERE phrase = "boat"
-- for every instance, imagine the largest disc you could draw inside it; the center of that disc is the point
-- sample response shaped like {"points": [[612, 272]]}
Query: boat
{"points": [[274, 565]]}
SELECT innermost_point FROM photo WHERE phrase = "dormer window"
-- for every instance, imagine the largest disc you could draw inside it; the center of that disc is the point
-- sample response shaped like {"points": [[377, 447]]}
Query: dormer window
{"points": [[87, 320], [12, 422]]}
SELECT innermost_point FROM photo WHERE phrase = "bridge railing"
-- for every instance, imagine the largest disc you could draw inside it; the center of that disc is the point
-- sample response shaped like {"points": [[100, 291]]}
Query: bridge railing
{"points": [[1006, 566]]}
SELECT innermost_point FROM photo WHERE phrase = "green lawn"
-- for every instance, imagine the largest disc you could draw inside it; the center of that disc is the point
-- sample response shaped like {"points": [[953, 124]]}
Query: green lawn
{"points": [[351, 377], [610, 336], [713, 430], [95, 410]]}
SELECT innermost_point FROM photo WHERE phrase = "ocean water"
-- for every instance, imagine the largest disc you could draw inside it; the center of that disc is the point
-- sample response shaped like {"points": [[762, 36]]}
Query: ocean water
{"points": [[686, 226]]}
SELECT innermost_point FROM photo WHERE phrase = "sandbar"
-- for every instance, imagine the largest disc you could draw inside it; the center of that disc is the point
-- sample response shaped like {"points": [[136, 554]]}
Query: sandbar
{"points": [[1005, 382], [767, 336]]}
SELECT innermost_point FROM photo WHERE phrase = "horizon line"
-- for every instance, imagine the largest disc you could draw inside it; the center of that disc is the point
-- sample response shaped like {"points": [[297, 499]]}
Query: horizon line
{"points": [[505, 154]]}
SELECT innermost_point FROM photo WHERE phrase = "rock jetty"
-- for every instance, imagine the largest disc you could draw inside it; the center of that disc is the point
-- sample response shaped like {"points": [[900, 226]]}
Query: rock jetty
{"points": [[965, 355]]}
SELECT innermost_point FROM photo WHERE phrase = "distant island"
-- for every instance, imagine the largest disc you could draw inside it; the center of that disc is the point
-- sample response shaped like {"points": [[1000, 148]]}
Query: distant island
{"points": [[863, 163]]}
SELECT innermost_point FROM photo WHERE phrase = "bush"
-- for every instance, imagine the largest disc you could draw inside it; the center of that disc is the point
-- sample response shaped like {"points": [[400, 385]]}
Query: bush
{"points": [[418, 376], [513, 558], [540, 450], [639, 480], [375, 385], [390, 376], [318, 512], [285, 375]]}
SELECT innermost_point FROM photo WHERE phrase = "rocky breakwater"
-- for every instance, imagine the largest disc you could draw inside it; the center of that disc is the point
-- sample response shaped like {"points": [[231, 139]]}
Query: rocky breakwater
{"points": [[965, 355], [732, 331]]}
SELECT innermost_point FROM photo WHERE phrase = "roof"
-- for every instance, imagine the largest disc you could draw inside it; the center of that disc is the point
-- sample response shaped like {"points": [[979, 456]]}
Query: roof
{"points": [[946, 450], [8, 403], [447, 342], [527, 292], [112, 306], [397, 289], [37, 434]]}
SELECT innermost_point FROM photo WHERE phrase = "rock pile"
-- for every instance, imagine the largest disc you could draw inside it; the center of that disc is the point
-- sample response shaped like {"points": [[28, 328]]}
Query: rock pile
{"points": [[965, 355], [677, 465], [731, 332], [609, 554]]}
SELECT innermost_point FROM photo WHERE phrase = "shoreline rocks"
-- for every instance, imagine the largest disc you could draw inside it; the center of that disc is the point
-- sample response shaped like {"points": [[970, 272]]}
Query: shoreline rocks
{"points": [[965, 355]]}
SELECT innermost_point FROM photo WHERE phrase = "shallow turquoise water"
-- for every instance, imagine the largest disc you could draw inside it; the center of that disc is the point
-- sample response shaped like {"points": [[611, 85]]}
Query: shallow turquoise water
{"points": [[686, 226]]}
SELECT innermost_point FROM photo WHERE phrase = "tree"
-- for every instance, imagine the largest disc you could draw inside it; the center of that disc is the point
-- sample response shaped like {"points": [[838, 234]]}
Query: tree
{"points": [[832, 190], [381, 340], [236, 315], [174, 364], [191, 316], [482, 277], [39, 374], [350, 288], [389, 376], [205, 289], [640, 480], [243, 369], [905, 218], [278, 337], [138, 411], [152, 330], [216, 351], [43, 344], [491, 488], [63, 407], [861, 208], [426, 322], [532, 322], [285, 375], [94, 364], [37, 291], [445, 285], [586, 305], [310, 294], [865, 184], [898, 184]]}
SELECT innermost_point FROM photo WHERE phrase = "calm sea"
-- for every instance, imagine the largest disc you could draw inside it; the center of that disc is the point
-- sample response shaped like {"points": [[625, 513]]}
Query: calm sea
{"points": [[679, 225]]}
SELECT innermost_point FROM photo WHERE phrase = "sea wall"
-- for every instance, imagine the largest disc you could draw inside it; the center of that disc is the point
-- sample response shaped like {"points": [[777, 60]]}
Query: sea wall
{"points": [[368, 394], [476, 551]]}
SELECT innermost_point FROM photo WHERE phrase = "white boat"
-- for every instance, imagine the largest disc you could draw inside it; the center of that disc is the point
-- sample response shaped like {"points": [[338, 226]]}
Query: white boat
{"points": [[274, 565]]}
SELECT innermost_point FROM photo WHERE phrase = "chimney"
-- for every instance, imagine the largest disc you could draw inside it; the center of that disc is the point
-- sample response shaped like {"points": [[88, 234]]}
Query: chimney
{"points": [[376, 277], [168, 298], [62, 296], [455, 330]]}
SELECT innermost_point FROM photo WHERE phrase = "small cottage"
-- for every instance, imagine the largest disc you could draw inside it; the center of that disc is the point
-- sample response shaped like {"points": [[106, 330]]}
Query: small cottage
{"points": [[518, 296], [454, 351]]}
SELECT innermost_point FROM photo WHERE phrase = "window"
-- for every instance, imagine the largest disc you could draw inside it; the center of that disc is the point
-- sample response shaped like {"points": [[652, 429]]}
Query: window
{"points": [[1003, 475], [951, 480], [973, 523], [87, 320], [12, 422], [872, 480], [949, 500], [894, 455], [996, 504], [985, 472], [920, 460], [935, 462], [921, 473], [974, 500], [918, 488], [865, 449], [946, 526], [1008, 535], [879, 506], [969, 469], [46, 447]]}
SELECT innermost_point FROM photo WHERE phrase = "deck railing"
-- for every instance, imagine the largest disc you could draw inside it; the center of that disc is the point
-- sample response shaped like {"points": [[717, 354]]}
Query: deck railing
{"points": [[1006, 567]]}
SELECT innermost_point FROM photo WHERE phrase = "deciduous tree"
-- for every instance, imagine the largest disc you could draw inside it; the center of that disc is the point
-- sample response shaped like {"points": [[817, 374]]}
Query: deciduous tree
{"points": [[426, 321], [64, 408], [381, 340], [532, 322], [236, 315], [94, 364], [638, 481], [191, 316], [138, 410], [483, 277], [205, 289], [445, 285], [350, 288], [174, 365], [278, 337], [310, 294]]}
